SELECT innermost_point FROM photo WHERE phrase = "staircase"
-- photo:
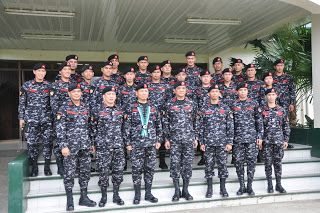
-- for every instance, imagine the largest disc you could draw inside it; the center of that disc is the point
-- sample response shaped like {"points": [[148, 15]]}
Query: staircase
{"points": [[301, 179]]}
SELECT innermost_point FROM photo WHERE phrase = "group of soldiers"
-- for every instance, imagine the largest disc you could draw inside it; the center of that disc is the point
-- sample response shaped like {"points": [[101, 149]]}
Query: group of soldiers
{"points": [[148, 109]]}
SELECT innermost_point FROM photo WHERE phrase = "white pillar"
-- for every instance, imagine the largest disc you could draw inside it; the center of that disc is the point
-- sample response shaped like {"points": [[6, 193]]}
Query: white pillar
{"points": [[315, 41]]}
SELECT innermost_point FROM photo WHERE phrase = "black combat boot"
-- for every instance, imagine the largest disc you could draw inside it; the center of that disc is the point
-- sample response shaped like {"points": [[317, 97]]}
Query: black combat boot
{"points": [[177, 192], [162, 164], [70, 205], [270, 185], [202, 161], [209, 188], [84, 199], [103, 199], [185, 192], [249, 187], [34, 168], [279, 187], [148, 195], [116, 198], [137, 194], [59, 162], [223, 191], [242, 188], [47, 170]]}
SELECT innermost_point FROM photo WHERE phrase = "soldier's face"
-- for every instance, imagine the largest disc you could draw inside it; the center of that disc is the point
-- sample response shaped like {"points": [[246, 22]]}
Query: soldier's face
{"points": [[75, 94], [87, 74], [143, 64], [142, 94], [217, 66], [39, 74], [107, 71], [166, 69], [110, 97], [115, 63], [73, 63], [227, 76], [205, 79], [65, 72], [279, 67], [181, 76], [268, 80], [251, 72], [243, 93], [156, 75], [214, 94], [238, 67], [191, 60], [271, 97], [130, 76], [180, 91]]}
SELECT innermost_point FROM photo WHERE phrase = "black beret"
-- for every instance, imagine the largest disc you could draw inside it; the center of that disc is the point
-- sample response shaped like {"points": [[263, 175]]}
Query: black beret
{"points": [[154, 68], [165, 62], [217, 59], [214, 86], [62, 65], [113, 56], [86, 67], [131, 69], [179, 83], [141, 86], [39, 66], [250, 66], [204, 72], [278, 61], [107, 63], [180, 70], [190, 53], [226, 70], [242, 85], [71, 57], [108, 89], [143, 58], [73, 86], [238, 60], [270, 91], [266, 75]]}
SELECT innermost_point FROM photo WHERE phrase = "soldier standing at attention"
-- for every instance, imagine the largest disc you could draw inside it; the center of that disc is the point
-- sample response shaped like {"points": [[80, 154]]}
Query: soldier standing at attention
{"points": [[238, 76], [143, 133], [116, 74], [35, 115], [167, 76], [275, 138], [74, 142], [254, 85], [215, 129], [75, 77], [192, 70], [143, 75], [248, 132], [228, 88], [180, 136], [217, 77], [87, 74]]}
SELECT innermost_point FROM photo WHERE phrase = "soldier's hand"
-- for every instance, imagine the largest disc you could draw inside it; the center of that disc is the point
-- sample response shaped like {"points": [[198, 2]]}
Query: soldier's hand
{"points": [[93, 149], [291, 108], [259, 143], [167, 145], [158, 145], [228, 147], [129, 148], [203, 148], [65, 152], [21, 124], [195, 144], [285, 145]]}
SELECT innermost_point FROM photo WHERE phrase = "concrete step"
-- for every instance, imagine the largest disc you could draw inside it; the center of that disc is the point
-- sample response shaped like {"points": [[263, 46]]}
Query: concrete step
{"points": [[298, 188], [46, 185]]}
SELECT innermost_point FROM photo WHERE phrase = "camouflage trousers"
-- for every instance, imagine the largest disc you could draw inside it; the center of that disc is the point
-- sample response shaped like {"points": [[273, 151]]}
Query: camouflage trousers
{"points": [[110, 158], [245, 153], [143, 160], [181, 158], [82, 157], [212, 155], [273, 154], [37, 134]]}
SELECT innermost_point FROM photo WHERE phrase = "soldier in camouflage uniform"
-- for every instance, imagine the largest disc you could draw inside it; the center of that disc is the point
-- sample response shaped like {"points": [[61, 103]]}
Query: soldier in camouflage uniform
{"points": [[192, 70], [268, 84], [87, 74], [238, 76], [74, 142], [215, 129], [108, 125], [143, 75], [75, 77], [228, 88], [58, 96], [181, 76], [143, 133], [248, 132], [217, 77], [180, 135], [116, 74], [167, 76], [275, 139], [35, 115]]}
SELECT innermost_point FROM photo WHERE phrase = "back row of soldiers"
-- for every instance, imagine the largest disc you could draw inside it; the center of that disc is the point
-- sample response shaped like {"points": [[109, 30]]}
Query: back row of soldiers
{"points": [[147, 110]]}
